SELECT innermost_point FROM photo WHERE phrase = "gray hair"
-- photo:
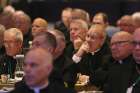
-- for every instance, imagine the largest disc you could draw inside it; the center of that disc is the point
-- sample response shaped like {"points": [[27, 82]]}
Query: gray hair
{"points": [[15, 32], [83, 24]]}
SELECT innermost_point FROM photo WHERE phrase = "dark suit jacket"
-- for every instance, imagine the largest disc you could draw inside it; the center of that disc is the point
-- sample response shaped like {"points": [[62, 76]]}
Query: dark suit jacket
{"points": [[7, 65], [51, 88], [135, 76], [118, 76], [90, 63], [67, 68]]}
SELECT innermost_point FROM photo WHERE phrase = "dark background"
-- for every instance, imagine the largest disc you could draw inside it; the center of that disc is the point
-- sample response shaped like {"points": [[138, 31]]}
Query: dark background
{"points": [[51, 9]]}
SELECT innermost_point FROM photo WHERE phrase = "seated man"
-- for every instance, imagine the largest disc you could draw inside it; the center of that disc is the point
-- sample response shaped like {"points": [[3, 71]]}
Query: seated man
{"points": [[134, 85], [48, 41], [13, 40], [38, 66], [93, 53], [62, 62], [78, 30], [121, 66]]}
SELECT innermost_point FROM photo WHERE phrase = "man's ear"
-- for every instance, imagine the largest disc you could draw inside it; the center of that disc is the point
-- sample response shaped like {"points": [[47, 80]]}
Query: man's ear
{"points": [[49, 69], [20, 44]]}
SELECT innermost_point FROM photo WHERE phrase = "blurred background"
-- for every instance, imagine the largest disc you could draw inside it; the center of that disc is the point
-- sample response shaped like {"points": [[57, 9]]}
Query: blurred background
{"points": [[51, 9]]}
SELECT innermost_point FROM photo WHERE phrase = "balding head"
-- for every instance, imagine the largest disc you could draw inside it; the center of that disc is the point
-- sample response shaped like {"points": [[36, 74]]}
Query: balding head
{"points": [[121, 45], [96, 37], [98, 29], [136, 19], [39, 25], [41, 22], [37, 61], [126, 23]]}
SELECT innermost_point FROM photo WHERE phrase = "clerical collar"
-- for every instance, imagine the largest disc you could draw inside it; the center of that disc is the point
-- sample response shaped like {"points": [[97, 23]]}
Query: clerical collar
{"points": [[38, 88], [93, 53], [120, 61]]}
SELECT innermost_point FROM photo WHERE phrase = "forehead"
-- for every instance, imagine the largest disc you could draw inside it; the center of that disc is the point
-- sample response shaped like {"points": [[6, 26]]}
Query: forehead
{"points": [[98, 17], [9, 36], [96, 30], [92, 33], [33, 59], [120, 37], [64, 13], [39, 22], [74, 25]]}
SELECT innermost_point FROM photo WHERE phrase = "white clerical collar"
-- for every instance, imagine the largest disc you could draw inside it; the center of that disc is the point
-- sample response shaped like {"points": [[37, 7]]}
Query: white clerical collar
{"points": [[120, 61], [93, 53], [38, 88]]}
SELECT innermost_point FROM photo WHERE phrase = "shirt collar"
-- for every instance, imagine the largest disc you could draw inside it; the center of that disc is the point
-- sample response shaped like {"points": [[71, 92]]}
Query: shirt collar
{"points": [[38, 88], [93, 53]]}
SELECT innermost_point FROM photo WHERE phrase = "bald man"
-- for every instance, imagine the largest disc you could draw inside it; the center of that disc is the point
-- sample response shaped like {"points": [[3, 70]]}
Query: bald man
{"points": [[121, 64], [39, 25], [38, 66], [93, 52]]}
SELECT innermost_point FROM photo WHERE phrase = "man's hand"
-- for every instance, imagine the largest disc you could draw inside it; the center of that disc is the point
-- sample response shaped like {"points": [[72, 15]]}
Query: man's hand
{"points": [[83, 49]]}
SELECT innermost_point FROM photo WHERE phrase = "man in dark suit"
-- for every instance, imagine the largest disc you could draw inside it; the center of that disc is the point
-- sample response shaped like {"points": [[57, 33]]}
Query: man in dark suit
{"points": [[134, 83], [93, 52], [13, 40], [37, 68], [48, 41], [121, 64], [62, 62]]}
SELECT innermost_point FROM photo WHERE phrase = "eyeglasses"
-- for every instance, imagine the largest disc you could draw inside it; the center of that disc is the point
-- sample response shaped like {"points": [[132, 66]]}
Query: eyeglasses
{"points": [[135, 43], [119, 43]]}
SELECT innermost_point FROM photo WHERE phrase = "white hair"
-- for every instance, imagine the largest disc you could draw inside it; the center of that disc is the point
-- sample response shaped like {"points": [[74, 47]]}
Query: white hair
{"points": [[136, 16], [15, 32]]}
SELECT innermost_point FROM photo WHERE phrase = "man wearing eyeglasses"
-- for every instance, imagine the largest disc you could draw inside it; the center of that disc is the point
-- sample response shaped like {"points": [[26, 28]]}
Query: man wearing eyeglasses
{"points": [[13, 40], [121, 63], [134, 85]]}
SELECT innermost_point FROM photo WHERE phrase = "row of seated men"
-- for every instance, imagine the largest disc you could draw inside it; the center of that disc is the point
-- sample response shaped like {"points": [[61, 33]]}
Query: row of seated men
{"points": [[83, 49]]}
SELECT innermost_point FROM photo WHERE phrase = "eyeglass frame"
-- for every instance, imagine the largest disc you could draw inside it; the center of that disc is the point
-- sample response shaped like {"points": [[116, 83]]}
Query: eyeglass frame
{"points": [[119, 43]]}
